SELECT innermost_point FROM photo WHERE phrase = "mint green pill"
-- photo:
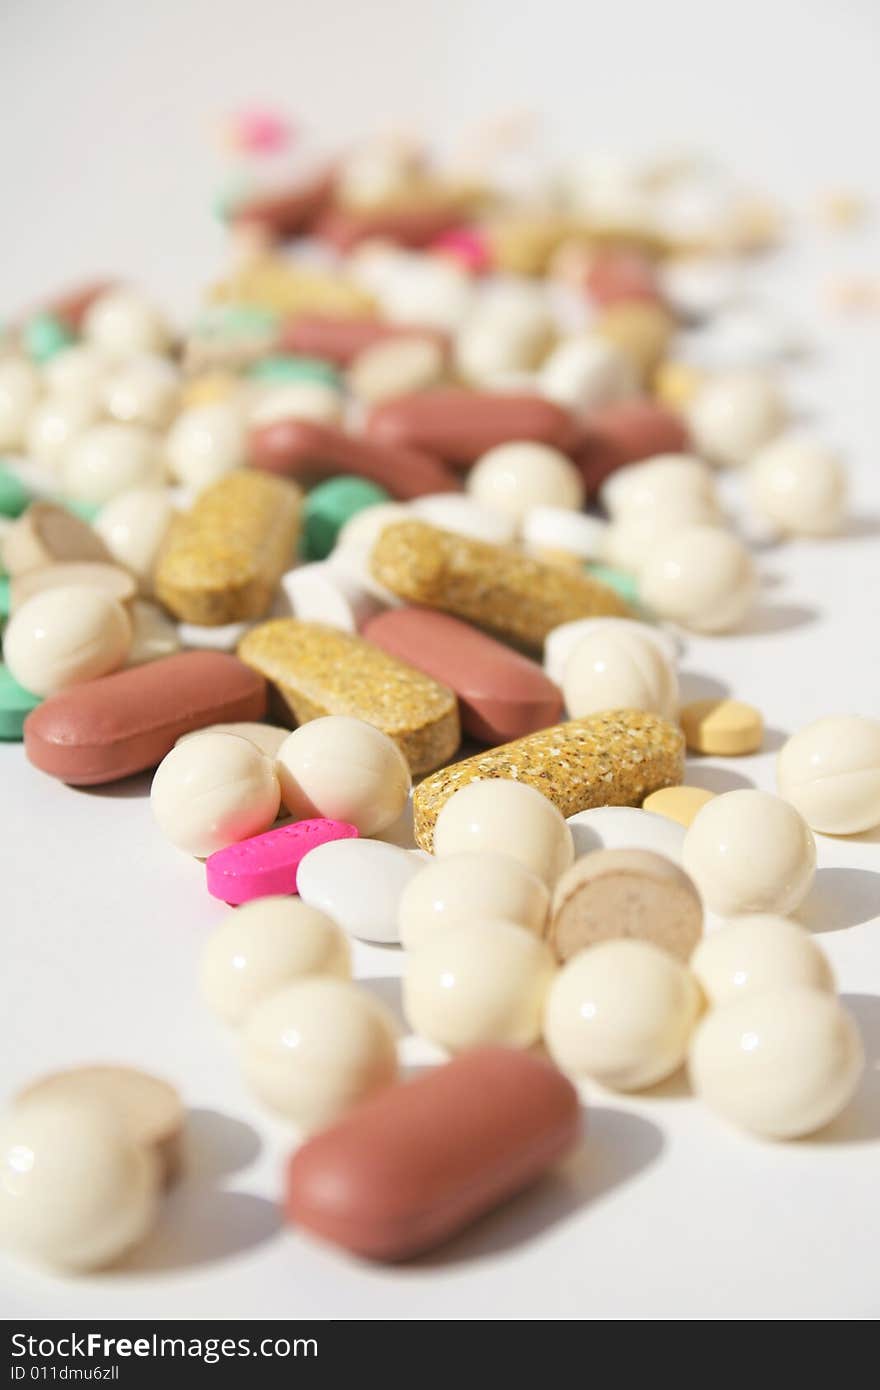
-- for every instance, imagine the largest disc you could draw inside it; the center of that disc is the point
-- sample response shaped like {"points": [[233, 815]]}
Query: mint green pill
{"points": [[284, 367], [237, 321], [44, 335], [14, 496], [622, 583], [86, 511], [16, 704], [4, 596], [329, 506]]}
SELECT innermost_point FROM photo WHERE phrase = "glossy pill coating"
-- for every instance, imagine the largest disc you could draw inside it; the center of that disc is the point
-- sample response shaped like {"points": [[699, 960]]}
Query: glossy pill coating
{"points": [[456, 511], [110, 580], [659, 484], [64, 636], [830, 771], [725, 728], [630, 894], [133, 526], [48, 534], [501, 694], [75, 1191], [585, 373], [700, 577], [108, 459], [483, 982], [121, 322], [507, 816], [621, 1013], [799, 486], [309, 452], [19, 392], [618, 667], [733, 415], [206, 442], [748, 851], [753, 954], [142, 391], [266, 865], [267, 737], [359, 883], [679, 804], [330, 505], [459, 426], [16, 704], [263, 946], [212, 791], [482, 885], [124, 723], [625, 432], [316, 1047], [54, 427], [422, 1160], [512, 478], [561, 642], [344, 769], [625, 827], [779, 1064]]}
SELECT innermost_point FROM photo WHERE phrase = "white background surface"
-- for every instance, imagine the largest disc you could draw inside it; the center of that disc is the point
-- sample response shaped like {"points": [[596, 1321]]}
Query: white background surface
{"points": [[107, 165]]}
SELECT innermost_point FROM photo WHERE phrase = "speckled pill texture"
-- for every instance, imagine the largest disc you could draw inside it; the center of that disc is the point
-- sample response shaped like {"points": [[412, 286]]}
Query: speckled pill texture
{"points": [[611, 759], [321, 670], [497, 587], [223, 559]]}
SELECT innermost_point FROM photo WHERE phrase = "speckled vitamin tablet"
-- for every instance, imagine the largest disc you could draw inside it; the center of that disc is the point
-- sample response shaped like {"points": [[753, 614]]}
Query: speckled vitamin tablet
{"points": [[727, 728], [677, 803], [321, 670], [612, 759]]}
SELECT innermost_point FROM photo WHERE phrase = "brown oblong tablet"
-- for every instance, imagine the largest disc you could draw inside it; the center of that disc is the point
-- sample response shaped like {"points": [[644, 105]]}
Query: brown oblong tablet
{"points": [[626, 432], [307, 451], [459, 425], [416, 1164], [73, 305], [289, 210], [407, 226], [341, 340], [501, 694], [109, 728]]}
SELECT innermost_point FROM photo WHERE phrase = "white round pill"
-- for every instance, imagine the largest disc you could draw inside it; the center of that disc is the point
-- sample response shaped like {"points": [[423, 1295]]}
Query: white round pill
{"points": [[780, 1064], [263, 946], [585, 372], [64, 636], [513, 478], [627, 544], [561, 641], [55, 423], [749, 851], [666, 482], [346, 770], [133, 525], [122, 322], [316, 1047], [462, 888], [626, 827], [359, 883], [495, 813], [799, 485], [830, 771], [75, 1191], [20, 388], [108, 459], [621, 1012], [732, 415], [558, 528], [751, 955], [213, 790], [700, 577], [615, 667], [484, 982], [454, 511], [205, 442], [297, 400], [267, 737], [142, 390], [76, 371]]}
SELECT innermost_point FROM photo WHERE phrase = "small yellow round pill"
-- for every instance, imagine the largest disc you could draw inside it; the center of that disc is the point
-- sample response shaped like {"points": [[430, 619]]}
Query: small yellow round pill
{"points": [[724, 727], [677, 803], [676, 383]]}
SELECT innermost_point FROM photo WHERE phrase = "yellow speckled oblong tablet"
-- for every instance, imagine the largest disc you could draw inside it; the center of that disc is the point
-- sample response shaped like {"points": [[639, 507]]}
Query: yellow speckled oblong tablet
{"points": [[223, 559], [677, 803], [727, 728], [611, 759], [323, 670], [496, 587]]}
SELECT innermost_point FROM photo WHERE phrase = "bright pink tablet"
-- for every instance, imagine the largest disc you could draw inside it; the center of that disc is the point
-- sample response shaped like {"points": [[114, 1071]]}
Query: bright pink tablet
{"points": [[266, 864]]}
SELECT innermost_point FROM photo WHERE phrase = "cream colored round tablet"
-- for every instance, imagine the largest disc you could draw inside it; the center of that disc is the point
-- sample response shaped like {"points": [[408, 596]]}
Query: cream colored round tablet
{"points": [[316, 1047], [561, 641], [64, 636], [267, 737], [622, 1013], [726, 728], [212, 791], [462, 888], [513, 478], [75, 1191], [666, 482], [76, 371], [680, 804], [205, 442], [733, 415], [108, 459], [753, 954], [502, 337], [482, 982], [780, 1064], [143, 390], [628, 542], [617, 667], [109, 579], [346, 770], [700, 577], [133, 526], [263, 946], [150, 1109], [55, 423], [509, 817], [20, 388], [153, 634], [748, 851], [799, 485], [122, 322], [625, 893], [585, 372], [296, 400], [830, 771], [396, 367]]}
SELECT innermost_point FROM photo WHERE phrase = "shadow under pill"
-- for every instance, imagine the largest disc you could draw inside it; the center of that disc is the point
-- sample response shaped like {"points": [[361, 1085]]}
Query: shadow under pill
{"points": [[216, 1145], [693, 685], [769, 618], [202, 1225], [840, 898], [859, 528], [126, 788], [715, 779], [388, 990], [859, 1123]]}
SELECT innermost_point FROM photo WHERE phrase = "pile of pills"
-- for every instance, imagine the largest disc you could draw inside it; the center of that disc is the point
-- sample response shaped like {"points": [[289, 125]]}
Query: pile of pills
{"points": [[383, 566]]}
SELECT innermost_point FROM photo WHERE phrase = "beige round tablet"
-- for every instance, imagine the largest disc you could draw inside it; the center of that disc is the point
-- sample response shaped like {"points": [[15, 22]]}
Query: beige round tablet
{"points": [[151, 1110], [496, 813], [748, 851], [625, 893], [727, 728], [830, 771], [134, 525], [396, 367], [66, 635], [677, 803], [345, 769], [754, 954], [267, 737], [110, 579], [212, 791], [463, 888]]}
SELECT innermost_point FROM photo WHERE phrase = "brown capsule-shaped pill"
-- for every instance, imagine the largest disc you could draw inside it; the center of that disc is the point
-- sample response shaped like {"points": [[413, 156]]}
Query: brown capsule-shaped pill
{"points": [[501, 694], [419, 1162], [461, 425], [290, 210], [307, 451], [626, 432], [341, 340], [415, 227], [123, 723]]}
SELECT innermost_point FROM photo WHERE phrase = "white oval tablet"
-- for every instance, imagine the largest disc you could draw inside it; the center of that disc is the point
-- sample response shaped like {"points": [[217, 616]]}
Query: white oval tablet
{"points": [[626, 827], [359, 884]]}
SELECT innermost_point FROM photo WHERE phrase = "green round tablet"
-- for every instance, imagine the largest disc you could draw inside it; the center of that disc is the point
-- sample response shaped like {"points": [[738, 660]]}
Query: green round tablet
{"points": [[14, 496], [285, 367], [44, 335], [330, 505], [623, 584], [16, 704]]}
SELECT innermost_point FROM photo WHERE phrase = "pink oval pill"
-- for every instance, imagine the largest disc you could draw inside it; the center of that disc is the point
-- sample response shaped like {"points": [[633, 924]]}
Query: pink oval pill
{"points": [[266, 864]]}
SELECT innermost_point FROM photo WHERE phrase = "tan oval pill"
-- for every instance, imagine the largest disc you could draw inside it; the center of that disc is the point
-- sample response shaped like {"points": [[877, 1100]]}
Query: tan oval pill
{"points": [[151, 1110], [677, 803], [628, 893], [110, 579], [411, 1167], [396, 367], [47, 534], [727, 728], [460, 425]]}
